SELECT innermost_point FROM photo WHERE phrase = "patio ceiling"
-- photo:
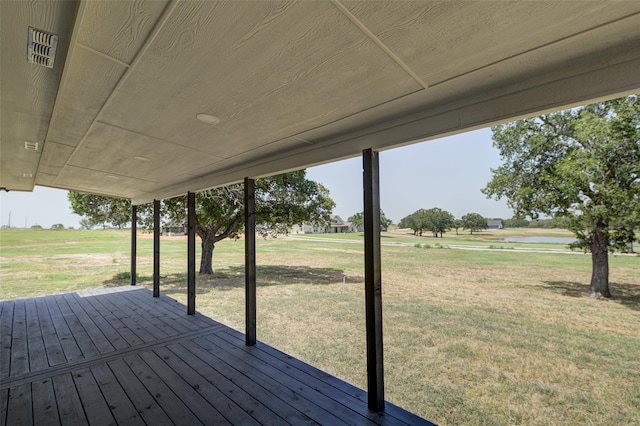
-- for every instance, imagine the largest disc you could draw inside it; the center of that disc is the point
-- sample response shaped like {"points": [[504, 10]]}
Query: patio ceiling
{"points": [[293, 84]]}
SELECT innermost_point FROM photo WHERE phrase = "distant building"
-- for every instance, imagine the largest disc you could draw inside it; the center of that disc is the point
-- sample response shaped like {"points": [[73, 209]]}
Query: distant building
{"points": [[495, 224], [173, 229], [337, 226]]}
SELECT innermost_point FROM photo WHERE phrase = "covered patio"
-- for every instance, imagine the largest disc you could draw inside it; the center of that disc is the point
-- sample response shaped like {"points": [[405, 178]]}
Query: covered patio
{"points": [[120, 356], [150, 100]]}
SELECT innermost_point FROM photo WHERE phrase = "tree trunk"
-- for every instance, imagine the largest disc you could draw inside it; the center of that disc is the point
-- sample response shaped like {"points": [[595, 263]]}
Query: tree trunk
{"points": [[600, 262], [206, 260]]}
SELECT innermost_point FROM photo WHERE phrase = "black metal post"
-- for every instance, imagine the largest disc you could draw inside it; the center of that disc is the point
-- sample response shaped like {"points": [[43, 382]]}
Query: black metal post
{"points": [[250, 260], [134, 242], [156, 248], [373, 280], [191, 253]]}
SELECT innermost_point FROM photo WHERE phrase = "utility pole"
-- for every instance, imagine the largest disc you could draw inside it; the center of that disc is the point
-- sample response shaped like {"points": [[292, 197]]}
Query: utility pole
{"points": [[9, 219]]}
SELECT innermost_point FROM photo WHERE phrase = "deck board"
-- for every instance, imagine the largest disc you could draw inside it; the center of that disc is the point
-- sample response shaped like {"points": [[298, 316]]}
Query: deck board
{"points": [[143, 401], [120, 356], [45, 410], [67, 341], [92, 325], [20, 408], [35, 342], [19, 341], [55, 354], [68, 401], [4, 401], [121, 406], [6, 324]]}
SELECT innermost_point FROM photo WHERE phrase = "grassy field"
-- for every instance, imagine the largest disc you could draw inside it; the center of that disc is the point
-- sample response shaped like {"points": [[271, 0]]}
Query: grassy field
{"points": [[477, 331]]}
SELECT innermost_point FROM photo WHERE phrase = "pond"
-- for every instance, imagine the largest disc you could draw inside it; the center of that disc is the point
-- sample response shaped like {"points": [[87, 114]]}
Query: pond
{"points": [[558, 240]]}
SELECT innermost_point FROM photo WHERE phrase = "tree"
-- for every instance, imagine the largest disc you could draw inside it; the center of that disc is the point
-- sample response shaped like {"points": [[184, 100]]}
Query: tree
{"points": [[358, 220], [435, 220], [582, 164], [438, 221], [85, 223], [457, 224], [100, 210], [473, 222], [515, 222], [281, 201], [416, 221], [57, 226]]}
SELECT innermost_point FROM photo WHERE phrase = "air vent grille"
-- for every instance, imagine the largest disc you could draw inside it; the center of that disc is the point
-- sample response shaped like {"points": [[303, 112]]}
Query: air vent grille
{"points": [[42, 47], [31, 146]]}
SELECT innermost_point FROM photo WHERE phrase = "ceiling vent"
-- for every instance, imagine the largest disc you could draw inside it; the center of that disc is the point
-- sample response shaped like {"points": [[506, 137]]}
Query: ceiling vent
{"points": [[31, 146], [42, 47]]}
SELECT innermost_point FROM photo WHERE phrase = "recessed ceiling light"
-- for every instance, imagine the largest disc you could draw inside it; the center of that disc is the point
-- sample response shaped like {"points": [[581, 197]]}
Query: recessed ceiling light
{"points": [[111, 177], [27, 175], [208, 118], [140, 158]]}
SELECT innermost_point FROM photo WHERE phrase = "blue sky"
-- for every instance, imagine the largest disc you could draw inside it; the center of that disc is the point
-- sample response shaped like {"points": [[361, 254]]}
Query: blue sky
{"points": [[446, 173]]}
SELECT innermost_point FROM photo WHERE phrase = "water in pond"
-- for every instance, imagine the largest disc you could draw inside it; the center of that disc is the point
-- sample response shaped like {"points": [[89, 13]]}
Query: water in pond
{"points": [[559, 240]]}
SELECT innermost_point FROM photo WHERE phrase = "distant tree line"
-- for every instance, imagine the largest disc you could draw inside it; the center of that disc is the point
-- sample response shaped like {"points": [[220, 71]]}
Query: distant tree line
{"points": [[556, 222], [438, 221]]}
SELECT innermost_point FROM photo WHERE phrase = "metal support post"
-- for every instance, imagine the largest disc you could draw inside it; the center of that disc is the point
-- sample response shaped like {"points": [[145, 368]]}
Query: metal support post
{"points": [[191, 253], [373, 280], [250, 259]]}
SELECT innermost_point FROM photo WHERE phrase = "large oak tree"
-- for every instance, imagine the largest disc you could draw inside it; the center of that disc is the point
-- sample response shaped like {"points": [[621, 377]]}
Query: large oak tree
{"points": [[281, 201], [582, 164], [436, 220]]}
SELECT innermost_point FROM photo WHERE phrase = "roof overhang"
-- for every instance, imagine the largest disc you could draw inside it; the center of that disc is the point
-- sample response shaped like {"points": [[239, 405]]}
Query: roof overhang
{"points": [[293, 84]]}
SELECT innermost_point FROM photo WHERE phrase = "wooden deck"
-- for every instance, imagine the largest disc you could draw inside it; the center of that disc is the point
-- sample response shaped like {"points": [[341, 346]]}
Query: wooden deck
{"points": [[119, 356]]}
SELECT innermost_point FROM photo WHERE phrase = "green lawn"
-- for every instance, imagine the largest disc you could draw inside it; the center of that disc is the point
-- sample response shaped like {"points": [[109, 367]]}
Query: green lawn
{"points": [[486, 336]]}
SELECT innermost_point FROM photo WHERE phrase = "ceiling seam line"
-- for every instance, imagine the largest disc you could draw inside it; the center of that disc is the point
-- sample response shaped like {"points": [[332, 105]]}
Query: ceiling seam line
{"points": [[77, 21], [118, 175], [103, 55], [151, 37], [303, 139], [104, 123], [379, 43], [533, 49]]}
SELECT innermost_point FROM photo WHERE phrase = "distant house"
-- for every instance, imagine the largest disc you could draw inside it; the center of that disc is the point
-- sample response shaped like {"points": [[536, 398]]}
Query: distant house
{"points": [[173, 229], [495, 224], [337, 226], [307, 228]]}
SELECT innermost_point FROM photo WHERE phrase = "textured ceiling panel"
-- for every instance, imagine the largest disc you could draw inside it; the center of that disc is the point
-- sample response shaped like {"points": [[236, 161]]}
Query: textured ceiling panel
{"points": [[124, 33], [54, 158], [28, 90], [15, 129], [91, 79], [446, 39], [313, 71], [114, 150], [98, 182]]}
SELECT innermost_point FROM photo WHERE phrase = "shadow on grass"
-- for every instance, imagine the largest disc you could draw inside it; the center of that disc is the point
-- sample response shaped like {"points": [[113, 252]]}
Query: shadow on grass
{"points": [[624, 293], [233, 277]]}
